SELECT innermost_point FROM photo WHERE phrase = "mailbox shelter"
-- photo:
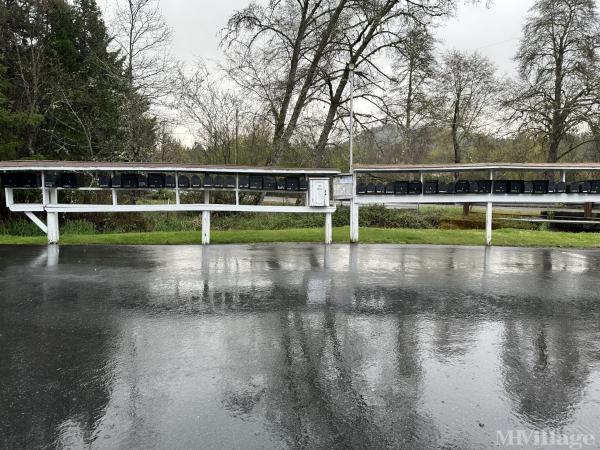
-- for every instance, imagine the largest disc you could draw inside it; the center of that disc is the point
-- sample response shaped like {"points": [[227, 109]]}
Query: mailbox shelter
{"points": [[529, 184], [310, 185]]}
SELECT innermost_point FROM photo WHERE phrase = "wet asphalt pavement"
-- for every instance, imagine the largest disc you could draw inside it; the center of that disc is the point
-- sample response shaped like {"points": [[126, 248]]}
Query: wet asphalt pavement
{"points": [[280, 346]]}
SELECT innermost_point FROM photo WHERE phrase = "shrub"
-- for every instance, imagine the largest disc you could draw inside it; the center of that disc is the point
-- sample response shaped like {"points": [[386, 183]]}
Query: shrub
{"points": [[21, 227], [78, 227]]}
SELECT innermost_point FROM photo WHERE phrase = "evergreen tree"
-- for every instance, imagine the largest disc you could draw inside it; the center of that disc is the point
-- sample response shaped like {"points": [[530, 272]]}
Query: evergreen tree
{"points": [[60, 66], [11, 123]]}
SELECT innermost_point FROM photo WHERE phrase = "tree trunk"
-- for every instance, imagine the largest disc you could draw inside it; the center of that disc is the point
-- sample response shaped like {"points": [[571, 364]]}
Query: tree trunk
{"points": [[455, 117]]}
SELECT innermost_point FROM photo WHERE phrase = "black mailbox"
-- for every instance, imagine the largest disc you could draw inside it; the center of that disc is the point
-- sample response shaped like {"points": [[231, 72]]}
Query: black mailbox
{"points": [[540, 186], [156, 180], [500, 186], [68, 180], [170, 181], [573, 188], [291, 183], [370, 188], [21, 179], [183, 181], [303, 184], [142, 181], [361, 188], [230, 182], [7, 179], [104, 181], [196, 182], [244, 182], [484, 186], [208, 181], [447, 188], [29, 180], [129, 180], [515, 187], [430, 187], [379, 188], [51, 180], [415, 187], [281, 184], [256, 182], [585, 187], [269, 183], [401, 187], [560, 187], [473, 187], [219, 181], [595, 187], [527, 187], [116, 181], [462, 187]]}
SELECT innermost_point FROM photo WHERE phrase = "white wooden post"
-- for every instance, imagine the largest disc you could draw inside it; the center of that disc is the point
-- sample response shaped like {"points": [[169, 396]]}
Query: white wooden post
{"points": [[205, 227], [237, 189], [353, 212], [10, 199], [44, 190], [115, 200], [563, 175], [488, 224], [52, 220], [488, 216], [177, 198], [206, 220], [328, 229]]}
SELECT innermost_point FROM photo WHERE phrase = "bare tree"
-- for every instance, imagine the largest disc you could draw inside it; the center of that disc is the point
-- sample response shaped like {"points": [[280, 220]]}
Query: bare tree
{"points": [[413, 70], [558, 68], [466, 90], [144, 39], [296, 56], [219, 117]]}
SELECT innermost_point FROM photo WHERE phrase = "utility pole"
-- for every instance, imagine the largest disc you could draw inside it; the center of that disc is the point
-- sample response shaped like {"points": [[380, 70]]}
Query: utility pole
{"points": [[351, 68], [236, 135]]}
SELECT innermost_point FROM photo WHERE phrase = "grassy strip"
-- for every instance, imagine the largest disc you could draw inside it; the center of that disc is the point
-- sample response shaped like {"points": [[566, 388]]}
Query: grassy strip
{"points": [[503, 237]]}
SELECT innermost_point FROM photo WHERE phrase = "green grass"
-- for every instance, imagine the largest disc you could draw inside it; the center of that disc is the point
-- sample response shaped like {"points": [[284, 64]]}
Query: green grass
{"points": [[502, 237]]}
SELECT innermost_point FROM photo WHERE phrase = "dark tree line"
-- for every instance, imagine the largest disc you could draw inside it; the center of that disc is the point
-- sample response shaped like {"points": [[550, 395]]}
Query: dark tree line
{"points": [[67, 92]]}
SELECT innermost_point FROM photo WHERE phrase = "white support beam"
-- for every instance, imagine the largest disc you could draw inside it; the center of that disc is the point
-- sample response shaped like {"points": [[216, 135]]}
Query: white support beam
{"points": [[488, 224], [177, 196], [237, 189], [52, 220], [45, 199], [9, 196], [328, 228], [115, 200], [205, 227], [98, 208], [41, 225], [22, 207], [476, 198]]}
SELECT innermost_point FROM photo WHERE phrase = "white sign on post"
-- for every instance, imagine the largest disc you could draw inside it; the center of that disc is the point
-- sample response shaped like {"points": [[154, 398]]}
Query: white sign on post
{"points": [[318, 192]]}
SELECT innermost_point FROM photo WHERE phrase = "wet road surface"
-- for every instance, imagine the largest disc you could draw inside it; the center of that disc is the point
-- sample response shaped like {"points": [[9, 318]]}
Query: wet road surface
{"points": [[280, 346]]}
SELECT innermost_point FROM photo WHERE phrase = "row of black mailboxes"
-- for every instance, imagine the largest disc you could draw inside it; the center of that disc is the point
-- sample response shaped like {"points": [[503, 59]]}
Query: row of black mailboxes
{"points": [[157, 181], [479, 187]]}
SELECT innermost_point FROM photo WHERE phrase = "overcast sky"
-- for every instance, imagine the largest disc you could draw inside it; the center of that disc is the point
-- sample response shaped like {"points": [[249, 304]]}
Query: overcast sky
{"points": [[493, 31]]}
